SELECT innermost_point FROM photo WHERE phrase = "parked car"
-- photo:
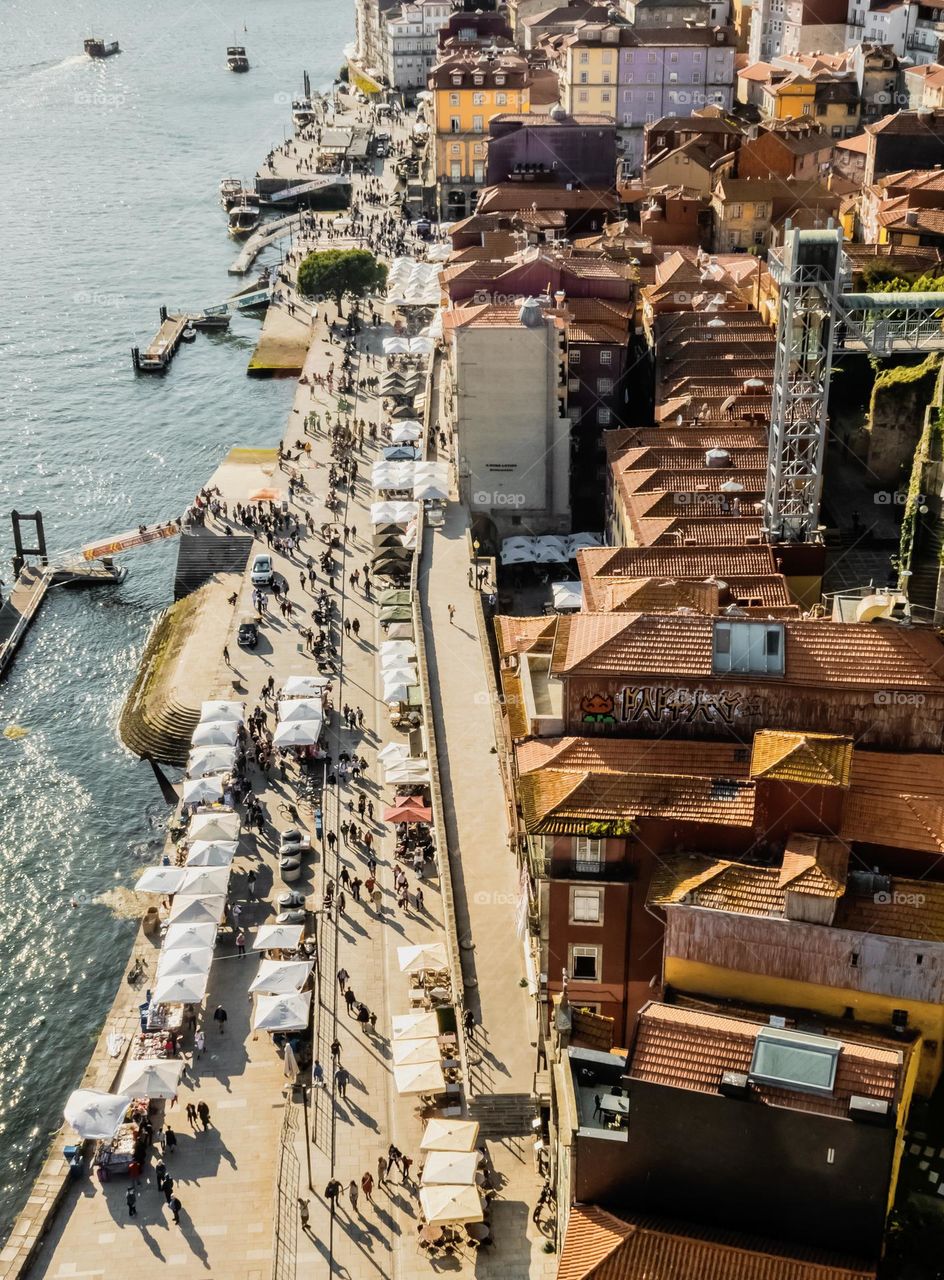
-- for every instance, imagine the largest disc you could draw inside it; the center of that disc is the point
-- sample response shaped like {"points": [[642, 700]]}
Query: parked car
{"points": [[247, 634], [261, 572]]}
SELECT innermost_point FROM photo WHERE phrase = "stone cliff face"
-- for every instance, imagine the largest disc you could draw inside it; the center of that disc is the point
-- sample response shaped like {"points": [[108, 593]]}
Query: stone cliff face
{"points": [[896, 419]]}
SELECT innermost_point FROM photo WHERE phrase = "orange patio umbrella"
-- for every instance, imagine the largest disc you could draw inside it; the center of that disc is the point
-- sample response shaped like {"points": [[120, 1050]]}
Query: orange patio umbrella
{"points": [[266, 495], [408, 809]]}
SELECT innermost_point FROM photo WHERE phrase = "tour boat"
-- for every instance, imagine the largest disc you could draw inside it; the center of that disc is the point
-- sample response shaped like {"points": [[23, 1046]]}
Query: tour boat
{"points": [[230, 191], [236, 58], [244, 217], [96, 48]]}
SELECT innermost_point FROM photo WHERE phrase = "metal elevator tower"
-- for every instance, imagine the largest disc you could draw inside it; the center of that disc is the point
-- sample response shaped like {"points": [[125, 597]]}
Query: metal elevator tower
{"points": [[816, 317]]}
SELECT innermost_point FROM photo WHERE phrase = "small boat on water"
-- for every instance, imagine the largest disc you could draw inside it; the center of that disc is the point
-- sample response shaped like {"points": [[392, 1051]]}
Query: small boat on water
{"points": [[244, 217], [303, 112], [97, 48], [236, 58], [230, 191]]}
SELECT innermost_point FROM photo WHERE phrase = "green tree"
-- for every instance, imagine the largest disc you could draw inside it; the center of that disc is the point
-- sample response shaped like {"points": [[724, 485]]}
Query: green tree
{"points": [[338, 272]]}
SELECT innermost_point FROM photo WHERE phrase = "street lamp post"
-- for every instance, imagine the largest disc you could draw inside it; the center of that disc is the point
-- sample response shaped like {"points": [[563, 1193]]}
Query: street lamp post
{"points": [[304, 1089]]}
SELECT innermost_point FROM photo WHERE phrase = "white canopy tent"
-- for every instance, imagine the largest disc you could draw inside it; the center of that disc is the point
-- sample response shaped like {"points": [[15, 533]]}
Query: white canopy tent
{"points": [[281, 977], [419, 959], [451, 1204], [418, 1025], [392, 512], [204, 881], [567, 596], [181, 988], [450, 1168], [95, 1114], [211, 853], [204, 760], [182, 961], [221, 733], [152, 1077], [292, 709], [202, 790], [430, 491], [405, 433], [297, 733], [159, 880], [281, 1013], [396, 346], [305, 686], [406, 1053], [220, 825], [186, 937], [422, 1077], [393, 751], [445, 1134], [283, 937], [196, 910], [407, 773], [227, 712]]}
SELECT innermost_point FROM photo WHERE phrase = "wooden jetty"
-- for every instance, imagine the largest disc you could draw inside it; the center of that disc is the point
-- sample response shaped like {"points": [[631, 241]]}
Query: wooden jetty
{"points": [[33, 581], [157, 355]]}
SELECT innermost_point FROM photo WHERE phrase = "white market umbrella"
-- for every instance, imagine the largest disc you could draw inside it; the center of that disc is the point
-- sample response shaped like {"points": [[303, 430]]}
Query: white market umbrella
{"points": [[393, 751], [281, 1013], [152, 1077], [406, 1053], [401, 674], [421, 346], [577, 541], [395, 693], [304, 686], [451, 1204], [188, 937], [567, 595], [403, 774], [395, 346], [160, 880], [300, 709], [181, 988], [450, 1168], [405, 433], [196, 910], [204, 760], [418, 1025], [184, 962], [423, 1077], [94, 1114], [221, 734], [204, 881], [443, 1134], [429, 490], [228, 712], [222, 825], [281, 977], [202, 790], [285, 937], [391, 649], [211, 853], [297, 733], [428, 955]]}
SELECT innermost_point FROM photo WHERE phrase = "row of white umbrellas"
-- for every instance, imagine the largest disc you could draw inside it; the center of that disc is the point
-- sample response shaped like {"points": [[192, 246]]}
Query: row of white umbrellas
{"points": [[425, 479], [413, 284], [400, 767], [419, 346], [392, 512], [300, 721], [397, 669], [549, 549]]}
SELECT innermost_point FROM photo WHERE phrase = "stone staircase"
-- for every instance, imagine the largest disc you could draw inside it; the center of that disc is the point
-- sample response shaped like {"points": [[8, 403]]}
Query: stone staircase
{"points": [[157, 726], [502, 1115], [202, 554]]}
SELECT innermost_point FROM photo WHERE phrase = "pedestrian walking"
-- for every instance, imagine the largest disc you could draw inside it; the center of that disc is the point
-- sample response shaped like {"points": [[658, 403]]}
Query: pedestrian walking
{"points": [[131, 1199], [192, 1113], [251, 885], [341, 1077], [468, 1021], [350, 1000], [451, 609], [170, 1141], [406, 1164], [335, 1051], [304, 1213], [381, 1170], [367, 1186], [353, 1192], [240, 943], [394, 1155], [373, 1021], [317, 1075], [199, 1043], [226, 655], [203, 1111], [343, 976], [219, 1017], [331, 1193], [363, 1016], [168, 1188], [419, 898], [175, 1207]]}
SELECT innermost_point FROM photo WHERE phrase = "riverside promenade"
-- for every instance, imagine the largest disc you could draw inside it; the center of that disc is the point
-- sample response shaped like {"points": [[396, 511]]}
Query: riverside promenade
{"points": [[240, 1181]]}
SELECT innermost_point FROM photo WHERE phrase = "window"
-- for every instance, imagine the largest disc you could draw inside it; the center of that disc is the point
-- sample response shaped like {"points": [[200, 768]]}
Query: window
{"points": [[650, 96], [477, 124], [606, 357], [455, 171], [583, 96], [603, 417], [453, 99], [752, 648], [574, 355], [651, 57], [607, 78], [588, 854], [454, 124], [605, 386], [673, 58], [478, 172], [500, 99], [696, 77], [584, 963], [605, 95], [584, 77], [760, 212], [584, 57], [586, 906], [478, 78], [499, 79], [606, 57], [735, 210], [673, 77], [758, 237], [455, 149], [478, 99]]}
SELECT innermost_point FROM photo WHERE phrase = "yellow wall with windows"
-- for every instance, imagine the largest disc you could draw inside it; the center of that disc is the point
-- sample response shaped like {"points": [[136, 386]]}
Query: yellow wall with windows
{"points": [[832, 1002], [589, 80], [471, 108], [787, 101]]}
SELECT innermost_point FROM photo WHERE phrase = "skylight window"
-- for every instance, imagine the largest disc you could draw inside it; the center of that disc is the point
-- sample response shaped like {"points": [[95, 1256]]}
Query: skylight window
{"points": [[748, 648], [795, 1060]]}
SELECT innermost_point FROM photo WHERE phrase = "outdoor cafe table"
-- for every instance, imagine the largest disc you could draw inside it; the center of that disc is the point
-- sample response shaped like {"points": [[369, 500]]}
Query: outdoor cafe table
{"points": [[614, 1104]]}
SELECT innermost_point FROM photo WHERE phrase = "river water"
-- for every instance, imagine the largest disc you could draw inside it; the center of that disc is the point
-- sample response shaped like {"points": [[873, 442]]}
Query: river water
{"points": [[109, 197]]}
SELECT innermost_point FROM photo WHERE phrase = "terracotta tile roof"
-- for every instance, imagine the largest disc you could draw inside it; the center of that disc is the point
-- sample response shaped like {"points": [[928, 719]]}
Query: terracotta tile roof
{"points": [[716, 532], [818, 653], [669, 437], [814, 865], [911, 909], [817, 759], [690, 1049], [518, 635], [675, 562], [652, 595], [625, 755], [599, 1246], [591, 1030], [513, 196], [717, 884], [896, 800], [554, 801]]}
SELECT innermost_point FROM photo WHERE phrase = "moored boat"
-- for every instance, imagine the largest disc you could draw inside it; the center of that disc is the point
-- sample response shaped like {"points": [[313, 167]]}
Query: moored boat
{"points": [[98, 48], [236, 58], [230, 191], [244, 217]]}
